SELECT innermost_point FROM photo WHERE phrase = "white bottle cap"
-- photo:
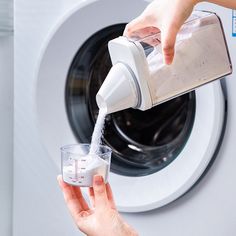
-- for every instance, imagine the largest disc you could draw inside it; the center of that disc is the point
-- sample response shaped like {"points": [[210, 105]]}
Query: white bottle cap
{"points": [[119, 91]]}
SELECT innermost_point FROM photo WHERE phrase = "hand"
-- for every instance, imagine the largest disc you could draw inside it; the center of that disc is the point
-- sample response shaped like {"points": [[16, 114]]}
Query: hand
{"points": [[103, 218], [167, 16]]}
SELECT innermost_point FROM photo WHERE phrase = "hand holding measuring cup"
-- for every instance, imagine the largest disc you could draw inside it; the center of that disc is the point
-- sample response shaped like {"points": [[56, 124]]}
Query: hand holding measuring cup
{"points": [[79, 165], [102, 218], [81, 168]]}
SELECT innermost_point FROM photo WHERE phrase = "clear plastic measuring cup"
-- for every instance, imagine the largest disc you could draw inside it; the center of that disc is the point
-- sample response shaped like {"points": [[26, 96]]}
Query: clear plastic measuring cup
{"points": [[78, 166]]}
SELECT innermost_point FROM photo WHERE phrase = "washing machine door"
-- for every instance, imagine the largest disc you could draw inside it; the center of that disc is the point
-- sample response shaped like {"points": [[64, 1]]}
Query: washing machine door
{"points": [[159, 154]]}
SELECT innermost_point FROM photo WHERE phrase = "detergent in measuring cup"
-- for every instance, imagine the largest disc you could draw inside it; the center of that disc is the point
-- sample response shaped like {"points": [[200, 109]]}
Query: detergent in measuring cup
{"points": [[79, 166]]}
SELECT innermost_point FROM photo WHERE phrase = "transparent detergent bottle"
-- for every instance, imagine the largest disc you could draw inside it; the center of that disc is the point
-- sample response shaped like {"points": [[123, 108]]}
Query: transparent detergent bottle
{"points": [[140, 79]]}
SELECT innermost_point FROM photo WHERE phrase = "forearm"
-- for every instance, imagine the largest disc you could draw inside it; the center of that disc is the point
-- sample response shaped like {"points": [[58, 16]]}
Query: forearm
{"points": [[225, 3]]}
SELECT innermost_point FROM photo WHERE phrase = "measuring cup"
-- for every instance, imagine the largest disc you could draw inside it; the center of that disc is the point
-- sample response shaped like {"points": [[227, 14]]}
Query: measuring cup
{"points": [[78, 166]]}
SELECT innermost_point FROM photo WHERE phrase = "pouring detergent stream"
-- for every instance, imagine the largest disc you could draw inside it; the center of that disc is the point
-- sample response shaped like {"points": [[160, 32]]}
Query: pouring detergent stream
{"points": [[82, 162], [97, 133], [139, 78]]}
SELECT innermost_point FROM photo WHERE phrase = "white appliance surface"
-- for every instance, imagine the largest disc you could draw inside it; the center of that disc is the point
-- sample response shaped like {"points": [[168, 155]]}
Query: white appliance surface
{"points": [[41, 127], [6, 134]]}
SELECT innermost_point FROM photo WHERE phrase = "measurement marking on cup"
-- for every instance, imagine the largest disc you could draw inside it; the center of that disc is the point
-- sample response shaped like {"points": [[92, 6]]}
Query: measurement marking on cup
{"points": [[76, 169]]}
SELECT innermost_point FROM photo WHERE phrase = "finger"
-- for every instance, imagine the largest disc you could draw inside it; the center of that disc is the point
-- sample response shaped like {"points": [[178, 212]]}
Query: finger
{"points": [[80, 198], [70, 197], [75, 191], [136, 24], [91, 197], [100, 194], [168, 38], [110, 196]]}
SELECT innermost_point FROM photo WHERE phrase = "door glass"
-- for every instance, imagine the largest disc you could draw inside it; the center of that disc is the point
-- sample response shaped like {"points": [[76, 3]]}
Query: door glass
{"points": [[143, 142]]}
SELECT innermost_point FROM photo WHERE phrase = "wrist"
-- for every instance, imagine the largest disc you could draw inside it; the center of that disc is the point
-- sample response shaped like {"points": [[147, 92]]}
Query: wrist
{"points": [[195, 2], [129, 231]]}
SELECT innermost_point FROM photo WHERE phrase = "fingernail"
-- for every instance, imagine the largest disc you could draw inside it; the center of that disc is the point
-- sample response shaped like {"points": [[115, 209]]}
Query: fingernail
{"points": [[98, 180], [58, 178], [166, 61], [84, 213]]}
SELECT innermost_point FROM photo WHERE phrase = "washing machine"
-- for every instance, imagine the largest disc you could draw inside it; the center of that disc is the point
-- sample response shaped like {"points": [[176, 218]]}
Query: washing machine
{"points": [[6, 118], [173, 167]]}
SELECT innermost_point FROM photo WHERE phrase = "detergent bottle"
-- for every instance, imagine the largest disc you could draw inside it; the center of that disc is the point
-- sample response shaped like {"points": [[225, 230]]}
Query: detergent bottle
{"points": [[140, 79]]}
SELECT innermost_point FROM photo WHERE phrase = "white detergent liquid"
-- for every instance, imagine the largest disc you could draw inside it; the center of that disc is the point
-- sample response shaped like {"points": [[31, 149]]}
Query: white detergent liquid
{"points": [[80, 172]]}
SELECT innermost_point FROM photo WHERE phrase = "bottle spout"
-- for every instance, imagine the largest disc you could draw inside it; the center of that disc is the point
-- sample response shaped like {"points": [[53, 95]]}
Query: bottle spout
{"points": [[119, 90]]}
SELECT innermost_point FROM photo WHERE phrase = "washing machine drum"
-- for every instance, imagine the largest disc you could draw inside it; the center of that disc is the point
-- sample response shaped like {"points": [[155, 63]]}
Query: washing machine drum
{"points": [[159, 154], [142, 142]]}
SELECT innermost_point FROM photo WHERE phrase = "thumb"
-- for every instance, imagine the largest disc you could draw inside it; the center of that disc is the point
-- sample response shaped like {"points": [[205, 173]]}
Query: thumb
{"points": [[138, 23], [100, 194], [168, 38]]}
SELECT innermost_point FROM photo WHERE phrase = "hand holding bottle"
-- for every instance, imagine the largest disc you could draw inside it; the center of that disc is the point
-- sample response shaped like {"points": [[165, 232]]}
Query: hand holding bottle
{"points": [[167, 16]]}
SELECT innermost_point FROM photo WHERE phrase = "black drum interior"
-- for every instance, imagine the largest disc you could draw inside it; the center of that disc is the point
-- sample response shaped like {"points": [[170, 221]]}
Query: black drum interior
{"points": [[143, 142]]}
